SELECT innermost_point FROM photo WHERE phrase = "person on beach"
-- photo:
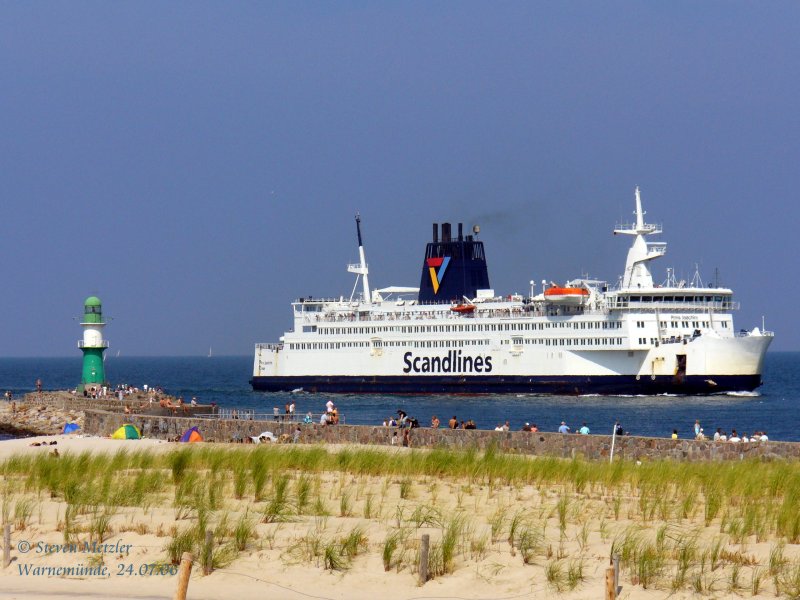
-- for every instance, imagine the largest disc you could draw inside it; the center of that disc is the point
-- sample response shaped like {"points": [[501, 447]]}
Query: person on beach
{"points": [[291, 410], [39, 385], [406, 438], [435, 422], [526, 427], [696, 428], [584, 430], [296, 437], [194, 401], [506, 426], [453, 423], [618, 429], [534, 428], [717, 434], [674, 434], [563, 428], [394, 438], [329, 406]]}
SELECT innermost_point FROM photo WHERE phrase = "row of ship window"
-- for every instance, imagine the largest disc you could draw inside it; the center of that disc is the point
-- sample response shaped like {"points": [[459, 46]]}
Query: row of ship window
{"points": [[569, 342], [463, 328], [697, 299], [457, 343], [682, 324]]}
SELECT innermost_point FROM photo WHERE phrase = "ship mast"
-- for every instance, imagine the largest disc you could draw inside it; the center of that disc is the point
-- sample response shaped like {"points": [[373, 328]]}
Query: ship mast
{"points": [[637, 271], [361, 268]]}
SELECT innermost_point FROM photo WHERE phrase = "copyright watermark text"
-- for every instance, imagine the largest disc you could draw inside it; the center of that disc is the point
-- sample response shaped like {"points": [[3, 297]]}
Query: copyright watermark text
{"points": [[24, 547]]}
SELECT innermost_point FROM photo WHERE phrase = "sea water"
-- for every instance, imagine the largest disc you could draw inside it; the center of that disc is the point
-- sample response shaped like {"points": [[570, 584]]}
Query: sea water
{"points": [[224, 380]]}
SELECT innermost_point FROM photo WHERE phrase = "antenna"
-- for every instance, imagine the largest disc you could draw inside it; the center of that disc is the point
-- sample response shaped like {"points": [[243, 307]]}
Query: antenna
{"points": [[361, 268], [358, 229], [697, 281]]}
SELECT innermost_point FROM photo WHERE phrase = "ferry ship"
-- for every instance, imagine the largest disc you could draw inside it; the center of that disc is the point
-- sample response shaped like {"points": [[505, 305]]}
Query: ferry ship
{"points": [[454, 335]]}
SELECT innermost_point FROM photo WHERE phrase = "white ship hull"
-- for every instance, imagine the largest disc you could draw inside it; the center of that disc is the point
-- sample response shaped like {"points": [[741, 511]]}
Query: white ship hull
{"points": [[567, 360], [639, 338]]}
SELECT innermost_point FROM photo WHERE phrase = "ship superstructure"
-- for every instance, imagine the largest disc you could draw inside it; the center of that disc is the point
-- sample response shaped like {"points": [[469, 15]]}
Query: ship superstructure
{"points": [[454, 334]]}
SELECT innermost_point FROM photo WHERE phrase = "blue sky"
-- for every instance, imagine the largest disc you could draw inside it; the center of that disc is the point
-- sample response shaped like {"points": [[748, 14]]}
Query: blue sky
{"points": [[198, 165]]}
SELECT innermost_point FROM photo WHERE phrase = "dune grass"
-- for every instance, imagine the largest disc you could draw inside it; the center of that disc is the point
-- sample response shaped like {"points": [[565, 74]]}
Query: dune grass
{"points": [[693, 524]]}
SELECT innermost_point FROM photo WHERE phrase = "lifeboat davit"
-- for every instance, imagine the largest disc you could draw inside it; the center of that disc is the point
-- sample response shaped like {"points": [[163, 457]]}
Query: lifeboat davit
{"points": [[464, 309], [566, 295]]}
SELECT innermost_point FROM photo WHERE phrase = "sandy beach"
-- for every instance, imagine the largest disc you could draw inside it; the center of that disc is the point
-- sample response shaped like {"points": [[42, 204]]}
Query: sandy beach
{"points": [[313, 530]]}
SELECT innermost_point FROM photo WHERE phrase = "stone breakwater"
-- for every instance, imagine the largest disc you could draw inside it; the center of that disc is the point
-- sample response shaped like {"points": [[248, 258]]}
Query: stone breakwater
{"points": [[46, 413], [589, 447], [24, 419]]}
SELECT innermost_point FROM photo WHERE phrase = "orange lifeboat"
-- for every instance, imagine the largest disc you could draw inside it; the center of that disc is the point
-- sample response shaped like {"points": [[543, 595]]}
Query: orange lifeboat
{"points": [[463, 309], [566, 295]]}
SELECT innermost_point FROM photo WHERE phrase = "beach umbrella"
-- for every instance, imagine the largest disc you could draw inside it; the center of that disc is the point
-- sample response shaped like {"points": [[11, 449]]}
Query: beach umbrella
{"points": [[127, 432], [70, 427], [192, 435]]}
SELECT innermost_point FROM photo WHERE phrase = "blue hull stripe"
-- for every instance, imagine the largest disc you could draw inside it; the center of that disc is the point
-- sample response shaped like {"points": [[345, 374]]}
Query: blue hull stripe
{"points": [[492, 384]]}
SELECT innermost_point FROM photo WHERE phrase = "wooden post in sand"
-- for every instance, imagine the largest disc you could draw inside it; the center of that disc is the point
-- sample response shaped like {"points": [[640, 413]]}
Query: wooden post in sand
{"points": [[6, 545], [423, 558], [611, 593], [615, 564], [208, 552], [184, 572]]}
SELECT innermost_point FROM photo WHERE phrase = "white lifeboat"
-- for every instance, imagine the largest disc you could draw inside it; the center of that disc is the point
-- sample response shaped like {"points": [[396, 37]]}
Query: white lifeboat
{"points": [[574, 296]]}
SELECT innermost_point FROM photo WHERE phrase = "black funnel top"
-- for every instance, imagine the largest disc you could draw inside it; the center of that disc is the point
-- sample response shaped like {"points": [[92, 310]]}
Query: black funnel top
{"points": [[452, 268]]}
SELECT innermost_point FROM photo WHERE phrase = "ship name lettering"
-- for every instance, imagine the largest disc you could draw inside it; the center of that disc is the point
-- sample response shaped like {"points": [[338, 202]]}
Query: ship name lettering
{"points": [[452, 362]]}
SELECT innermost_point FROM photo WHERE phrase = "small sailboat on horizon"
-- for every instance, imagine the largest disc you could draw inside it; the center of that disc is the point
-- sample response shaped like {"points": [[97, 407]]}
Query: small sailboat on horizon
{"points": [[209, 352]]}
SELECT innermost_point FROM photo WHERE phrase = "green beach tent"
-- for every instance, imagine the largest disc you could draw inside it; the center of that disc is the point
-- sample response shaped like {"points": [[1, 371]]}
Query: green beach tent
{"points": [[127, 432]]}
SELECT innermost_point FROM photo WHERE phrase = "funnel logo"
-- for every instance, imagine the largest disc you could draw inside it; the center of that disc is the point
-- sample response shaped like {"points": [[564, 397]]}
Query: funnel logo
{"points": [[437, 268]]}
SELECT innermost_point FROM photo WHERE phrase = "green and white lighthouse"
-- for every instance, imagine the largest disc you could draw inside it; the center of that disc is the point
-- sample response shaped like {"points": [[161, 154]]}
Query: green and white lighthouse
{"points": [[92, 345]]}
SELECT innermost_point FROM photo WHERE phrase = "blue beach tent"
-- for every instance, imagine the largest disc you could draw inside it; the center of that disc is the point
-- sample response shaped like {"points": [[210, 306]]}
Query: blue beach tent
{"points": [[70, 427], [192, 435]]}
